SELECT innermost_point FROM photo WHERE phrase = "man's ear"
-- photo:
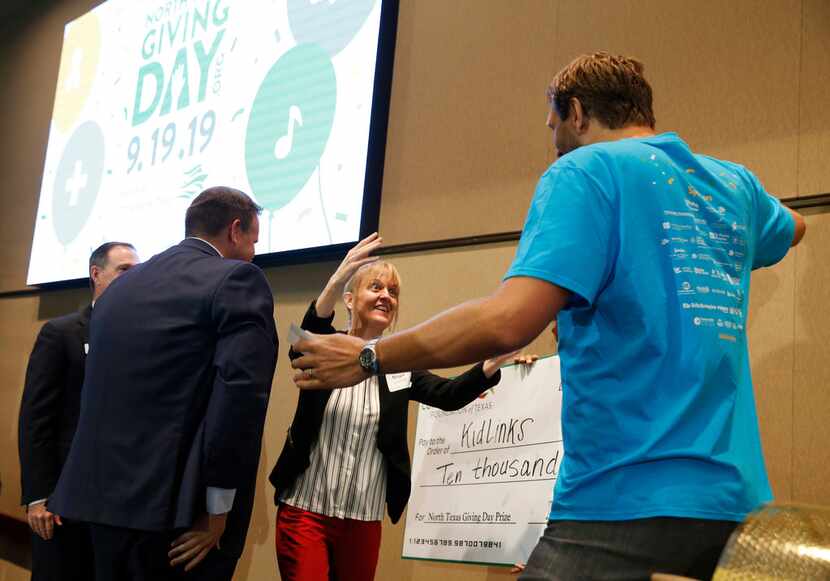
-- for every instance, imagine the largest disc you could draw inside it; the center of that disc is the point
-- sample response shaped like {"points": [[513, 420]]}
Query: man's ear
{"points": [[578, 116], [94, 273], [235, 232]]}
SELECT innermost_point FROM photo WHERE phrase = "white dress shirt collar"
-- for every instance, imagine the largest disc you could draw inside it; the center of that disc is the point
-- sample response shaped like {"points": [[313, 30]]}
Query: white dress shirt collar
{"points": [[206, 242]]}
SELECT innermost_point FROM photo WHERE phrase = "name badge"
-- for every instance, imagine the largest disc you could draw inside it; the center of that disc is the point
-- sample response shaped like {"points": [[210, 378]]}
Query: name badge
{"points": [[398, 381], [86, 348]]}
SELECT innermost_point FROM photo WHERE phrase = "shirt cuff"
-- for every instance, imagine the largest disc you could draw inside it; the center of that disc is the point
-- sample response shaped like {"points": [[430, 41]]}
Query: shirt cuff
{"points": [[220, 500], [35, 502]]}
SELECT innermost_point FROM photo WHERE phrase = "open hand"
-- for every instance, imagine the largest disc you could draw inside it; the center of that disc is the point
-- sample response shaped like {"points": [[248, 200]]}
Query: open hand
{"points": [[193, 546], [41, 521], [354, 259]]}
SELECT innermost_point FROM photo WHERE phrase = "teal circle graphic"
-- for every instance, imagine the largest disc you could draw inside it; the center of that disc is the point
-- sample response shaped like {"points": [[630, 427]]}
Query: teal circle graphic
{"points": [[77, 181], [289, 125], [329, 23]]}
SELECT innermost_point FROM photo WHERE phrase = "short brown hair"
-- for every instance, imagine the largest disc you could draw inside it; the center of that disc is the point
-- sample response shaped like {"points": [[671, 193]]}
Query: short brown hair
{"points": [[610, 88], [215, 208]]}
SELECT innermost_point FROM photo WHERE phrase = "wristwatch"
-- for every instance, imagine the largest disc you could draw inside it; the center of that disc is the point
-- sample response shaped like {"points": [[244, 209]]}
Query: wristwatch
{"points": [[369, 358]]}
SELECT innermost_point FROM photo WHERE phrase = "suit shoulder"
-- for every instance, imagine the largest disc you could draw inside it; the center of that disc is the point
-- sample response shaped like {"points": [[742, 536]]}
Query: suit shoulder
{"points": [[240, 269], [64, 322], [210, 269], [243, 279]]}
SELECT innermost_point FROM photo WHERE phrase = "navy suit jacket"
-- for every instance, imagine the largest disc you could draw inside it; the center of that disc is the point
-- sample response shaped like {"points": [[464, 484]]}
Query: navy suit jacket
{"points": [[182, 350], [51, 402]]}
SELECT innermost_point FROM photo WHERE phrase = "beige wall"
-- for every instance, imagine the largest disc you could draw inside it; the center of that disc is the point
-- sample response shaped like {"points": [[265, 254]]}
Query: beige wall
{"points": [[741, 79]]}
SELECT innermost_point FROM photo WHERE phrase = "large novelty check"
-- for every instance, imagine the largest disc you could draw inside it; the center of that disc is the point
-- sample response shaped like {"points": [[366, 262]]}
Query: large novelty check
{"points": [[483, 476]]}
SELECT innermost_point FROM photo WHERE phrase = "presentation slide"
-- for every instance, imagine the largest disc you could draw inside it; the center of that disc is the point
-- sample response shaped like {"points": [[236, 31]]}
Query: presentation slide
{"points": [[158, 100]]}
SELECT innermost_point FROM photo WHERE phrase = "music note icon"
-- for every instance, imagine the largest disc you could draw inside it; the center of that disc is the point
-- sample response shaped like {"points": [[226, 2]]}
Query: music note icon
{"points": [[284, 144]]}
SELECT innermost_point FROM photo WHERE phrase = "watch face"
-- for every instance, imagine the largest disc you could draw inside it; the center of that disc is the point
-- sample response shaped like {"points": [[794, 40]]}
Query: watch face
{"points": [[367, 358]]}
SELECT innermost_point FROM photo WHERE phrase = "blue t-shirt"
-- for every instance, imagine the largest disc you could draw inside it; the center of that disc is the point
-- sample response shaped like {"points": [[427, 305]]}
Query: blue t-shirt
{"points": [[656, 245]]}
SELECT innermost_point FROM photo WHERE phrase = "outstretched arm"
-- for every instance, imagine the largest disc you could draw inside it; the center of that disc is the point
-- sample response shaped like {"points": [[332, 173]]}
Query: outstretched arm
{"points": [[505, 321]]}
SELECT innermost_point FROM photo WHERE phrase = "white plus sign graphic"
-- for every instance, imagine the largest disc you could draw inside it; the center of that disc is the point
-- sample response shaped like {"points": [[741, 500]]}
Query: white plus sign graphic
{"points": [[76, 182], [73, 80]]}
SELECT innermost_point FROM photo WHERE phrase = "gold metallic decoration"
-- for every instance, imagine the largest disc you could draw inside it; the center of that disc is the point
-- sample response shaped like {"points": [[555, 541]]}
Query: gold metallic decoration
{"points": [[779, 542]]}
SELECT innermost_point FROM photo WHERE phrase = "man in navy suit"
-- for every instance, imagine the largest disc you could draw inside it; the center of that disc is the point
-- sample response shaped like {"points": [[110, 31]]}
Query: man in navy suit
{"points": [[48, 417], [181, 357]]}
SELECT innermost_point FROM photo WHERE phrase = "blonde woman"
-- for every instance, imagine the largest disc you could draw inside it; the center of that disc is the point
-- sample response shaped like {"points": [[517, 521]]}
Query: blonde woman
{"points": [[345, 457]]}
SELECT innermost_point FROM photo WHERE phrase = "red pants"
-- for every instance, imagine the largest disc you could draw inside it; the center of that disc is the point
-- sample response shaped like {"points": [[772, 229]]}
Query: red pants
{"points": [[314, 547]]}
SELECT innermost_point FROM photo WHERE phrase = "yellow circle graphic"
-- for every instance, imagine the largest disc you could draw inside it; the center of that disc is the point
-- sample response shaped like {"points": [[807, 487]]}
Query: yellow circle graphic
{"points": [[79, 60]]}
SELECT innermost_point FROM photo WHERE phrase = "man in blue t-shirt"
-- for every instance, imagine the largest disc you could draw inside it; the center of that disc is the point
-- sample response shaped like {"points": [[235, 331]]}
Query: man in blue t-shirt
{"points": [[642, 250]]}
